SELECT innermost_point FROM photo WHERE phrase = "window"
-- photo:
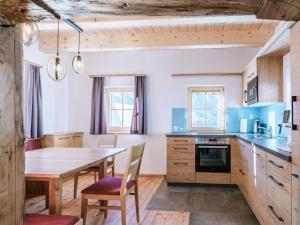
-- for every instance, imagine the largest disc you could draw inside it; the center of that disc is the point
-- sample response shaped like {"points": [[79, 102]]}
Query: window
{"points": [[206, 108], [120, 103]]}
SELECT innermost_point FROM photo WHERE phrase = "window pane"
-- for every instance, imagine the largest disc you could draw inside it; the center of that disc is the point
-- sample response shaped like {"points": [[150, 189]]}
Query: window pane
{"points": [[198, 118], [213, 100], [128, 100], [116, 100], [127, 118], [198, 100], [212, 118], [116, 118]]}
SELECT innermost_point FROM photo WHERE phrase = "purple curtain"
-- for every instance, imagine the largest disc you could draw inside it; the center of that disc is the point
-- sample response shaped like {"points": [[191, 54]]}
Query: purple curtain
{"points": [[34, 111], [98, 120], [139, 116]]}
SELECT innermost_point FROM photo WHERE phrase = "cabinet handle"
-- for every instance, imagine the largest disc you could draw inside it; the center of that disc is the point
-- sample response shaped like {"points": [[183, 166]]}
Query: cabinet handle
{"points": [[181, 148], [295, 175], [76, 136], [272, 162], [274, 180], [177, 163], [275, 214], [63, 138], [180, 140], [241, 171], [257, 154], [294, 126]]}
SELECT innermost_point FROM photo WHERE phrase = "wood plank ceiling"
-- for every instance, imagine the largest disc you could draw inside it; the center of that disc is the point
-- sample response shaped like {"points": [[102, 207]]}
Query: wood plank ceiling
{"points": [[14, 11], [178, 33]]}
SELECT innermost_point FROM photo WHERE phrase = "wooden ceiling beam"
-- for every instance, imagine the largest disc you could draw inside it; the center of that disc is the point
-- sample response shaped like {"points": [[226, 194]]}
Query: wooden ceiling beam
{"points": [[15, 11], [96, 41]]}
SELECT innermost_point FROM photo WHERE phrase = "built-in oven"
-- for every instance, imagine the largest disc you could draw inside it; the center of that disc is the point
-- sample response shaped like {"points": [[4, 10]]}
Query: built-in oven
{"points": [[252, 91], [212, 155]]}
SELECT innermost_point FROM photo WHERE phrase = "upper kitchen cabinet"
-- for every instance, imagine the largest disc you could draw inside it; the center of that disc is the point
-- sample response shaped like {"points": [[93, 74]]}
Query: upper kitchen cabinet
{"points": [[263, 80]]}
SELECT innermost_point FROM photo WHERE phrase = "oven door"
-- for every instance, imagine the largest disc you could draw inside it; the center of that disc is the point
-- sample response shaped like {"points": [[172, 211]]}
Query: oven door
{"points": [[212, 158]]}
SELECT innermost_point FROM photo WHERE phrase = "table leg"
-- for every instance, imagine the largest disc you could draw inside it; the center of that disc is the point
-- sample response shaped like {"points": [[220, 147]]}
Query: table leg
{"points": [[55, 196]]}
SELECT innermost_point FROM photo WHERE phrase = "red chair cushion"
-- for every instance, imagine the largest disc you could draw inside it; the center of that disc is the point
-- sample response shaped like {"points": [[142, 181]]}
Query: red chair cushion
{"points": [[107, 186], [39, 219]]}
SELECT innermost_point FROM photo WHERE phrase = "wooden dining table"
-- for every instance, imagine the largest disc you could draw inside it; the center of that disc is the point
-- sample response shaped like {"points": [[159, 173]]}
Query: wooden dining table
{"points": [[56, 165]]}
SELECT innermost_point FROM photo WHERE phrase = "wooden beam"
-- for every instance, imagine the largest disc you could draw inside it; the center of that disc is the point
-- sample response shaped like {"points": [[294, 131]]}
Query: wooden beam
{"points": [[96, 41], [24, 10]]}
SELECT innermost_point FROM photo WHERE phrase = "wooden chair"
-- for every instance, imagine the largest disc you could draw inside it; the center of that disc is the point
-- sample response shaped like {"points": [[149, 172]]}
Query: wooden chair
{"points": [[104, 141], [115, 188]]}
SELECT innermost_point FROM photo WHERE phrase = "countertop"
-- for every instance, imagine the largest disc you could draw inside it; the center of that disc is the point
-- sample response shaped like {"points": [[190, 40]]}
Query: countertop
{"points": [[270, 145]]}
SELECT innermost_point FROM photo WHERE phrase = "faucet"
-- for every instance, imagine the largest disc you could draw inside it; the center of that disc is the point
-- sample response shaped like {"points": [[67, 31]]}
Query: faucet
{"points": [[269, 131]]}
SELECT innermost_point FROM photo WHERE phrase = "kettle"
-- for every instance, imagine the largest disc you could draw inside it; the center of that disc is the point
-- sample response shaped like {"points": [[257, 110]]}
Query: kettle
{"points": [[256, 126]]}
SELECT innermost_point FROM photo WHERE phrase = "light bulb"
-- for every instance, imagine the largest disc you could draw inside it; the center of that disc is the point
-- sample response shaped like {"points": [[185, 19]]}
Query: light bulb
{"points": [[56, 68], [78, 64]]}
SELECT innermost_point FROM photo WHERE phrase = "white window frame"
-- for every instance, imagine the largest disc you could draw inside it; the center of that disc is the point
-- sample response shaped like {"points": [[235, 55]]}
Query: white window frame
{"points": [[220, 89], [109, 90]]}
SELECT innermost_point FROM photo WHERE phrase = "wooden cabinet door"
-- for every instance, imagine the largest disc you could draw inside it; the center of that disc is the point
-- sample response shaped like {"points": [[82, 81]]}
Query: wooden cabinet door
{"points": [[76, 141], [62, 141], [295, 195], [235, 158]]}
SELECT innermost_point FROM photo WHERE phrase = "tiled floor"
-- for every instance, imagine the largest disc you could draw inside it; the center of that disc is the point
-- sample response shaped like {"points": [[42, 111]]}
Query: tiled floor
{"points": [[207, 206]]}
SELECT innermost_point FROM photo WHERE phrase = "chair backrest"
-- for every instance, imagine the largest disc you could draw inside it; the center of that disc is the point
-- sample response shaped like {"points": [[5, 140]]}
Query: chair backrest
{"points": [[107, 140], [133, 165]]}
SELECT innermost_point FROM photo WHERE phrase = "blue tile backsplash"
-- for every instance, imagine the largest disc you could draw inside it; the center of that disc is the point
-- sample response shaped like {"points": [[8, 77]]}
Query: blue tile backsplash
{"points": [[271, 115]]}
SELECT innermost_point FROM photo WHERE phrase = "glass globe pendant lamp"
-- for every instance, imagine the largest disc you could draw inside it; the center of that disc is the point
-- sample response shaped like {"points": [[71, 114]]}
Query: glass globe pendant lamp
{"points": [[56, 67], [77, 62], [31, 33]]}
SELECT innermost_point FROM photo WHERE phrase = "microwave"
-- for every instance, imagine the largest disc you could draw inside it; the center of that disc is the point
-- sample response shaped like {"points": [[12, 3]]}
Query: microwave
{"points": [[252, 91]]}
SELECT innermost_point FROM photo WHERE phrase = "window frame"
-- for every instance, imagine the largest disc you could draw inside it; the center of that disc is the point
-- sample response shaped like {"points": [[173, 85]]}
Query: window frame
{"points": [[108, 91], [192, 89]]}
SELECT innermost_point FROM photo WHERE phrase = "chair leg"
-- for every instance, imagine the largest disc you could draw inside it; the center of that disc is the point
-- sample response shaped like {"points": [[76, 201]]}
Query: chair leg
{"points": [[113, 170], [105, 210], [137, 206], [83, 209], [76, 177], [95, 177], [123, 211]]}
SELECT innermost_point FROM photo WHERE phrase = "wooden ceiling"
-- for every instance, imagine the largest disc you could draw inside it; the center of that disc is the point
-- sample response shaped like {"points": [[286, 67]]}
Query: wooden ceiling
{"points": [[14, 11], [209, 32]]}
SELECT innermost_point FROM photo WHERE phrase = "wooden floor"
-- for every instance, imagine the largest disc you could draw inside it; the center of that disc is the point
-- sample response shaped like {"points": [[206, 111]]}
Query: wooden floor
{"points": [[148, 186]]}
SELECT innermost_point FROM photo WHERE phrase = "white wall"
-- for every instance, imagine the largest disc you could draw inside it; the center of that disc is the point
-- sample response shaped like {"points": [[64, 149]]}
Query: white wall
{"points": [[164, 91], [54, 93]]}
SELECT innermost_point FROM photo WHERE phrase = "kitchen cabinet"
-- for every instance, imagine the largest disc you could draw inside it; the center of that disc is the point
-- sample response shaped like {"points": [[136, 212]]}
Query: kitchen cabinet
{"points": [[295, 194], [269, 70], [63, 139], [181, 160], [235, 155]]}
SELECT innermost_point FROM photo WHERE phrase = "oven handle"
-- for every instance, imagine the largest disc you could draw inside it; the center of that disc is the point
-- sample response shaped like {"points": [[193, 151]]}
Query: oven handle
{"points": [[211, 146]]}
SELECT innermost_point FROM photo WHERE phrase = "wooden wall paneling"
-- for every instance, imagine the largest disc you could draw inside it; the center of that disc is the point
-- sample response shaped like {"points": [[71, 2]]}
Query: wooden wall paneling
{"points": [[11, 136]]}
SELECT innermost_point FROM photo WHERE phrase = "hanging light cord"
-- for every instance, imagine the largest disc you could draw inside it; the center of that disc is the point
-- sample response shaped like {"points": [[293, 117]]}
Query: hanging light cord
{"points": [[57, 41], [79, 44]]}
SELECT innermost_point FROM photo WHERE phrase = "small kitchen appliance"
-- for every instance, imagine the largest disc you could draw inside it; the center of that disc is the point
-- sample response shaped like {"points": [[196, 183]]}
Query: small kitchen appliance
{"points": [[243, 125], [256, 126]]}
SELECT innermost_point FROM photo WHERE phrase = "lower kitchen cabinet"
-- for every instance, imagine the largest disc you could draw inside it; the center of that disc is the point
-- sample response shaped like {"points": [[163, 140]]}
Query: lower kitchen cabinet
{"points": [[63, 139], [295, 194], [213, 178], [235, 151]]}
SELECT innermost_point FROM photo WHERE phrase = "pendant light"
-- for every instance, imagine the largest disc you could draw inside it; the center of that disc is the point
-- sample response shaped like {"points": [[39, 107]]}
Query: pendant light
{"points": [[57, 68], [31, 33], [77, 62]]}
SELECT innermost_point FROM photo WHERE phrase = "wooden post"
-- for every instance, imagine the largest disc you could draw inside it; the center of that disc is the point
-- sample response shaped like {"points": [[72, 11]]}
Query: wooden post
{"points": [[11, 129], [295, 98]]}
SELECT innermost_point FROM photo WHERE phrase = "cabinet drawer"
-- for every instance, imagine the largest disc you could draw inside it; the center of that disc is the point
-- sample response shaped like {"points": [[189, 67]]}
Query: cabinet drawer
{"points": [[62, 141], [181, 152], [295, 194], [180, 165], [181, 176], [213, 178], [276, 213], [76, 141], [181, 141], [279, 189], [279, 166]]}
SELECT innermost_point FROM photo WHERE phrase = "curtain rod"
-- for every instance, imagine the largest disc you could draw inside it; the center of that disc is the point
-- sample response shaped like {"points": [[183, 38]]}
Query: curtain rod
{"points": [[117, 75], [32, 63], [205, 74]]}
